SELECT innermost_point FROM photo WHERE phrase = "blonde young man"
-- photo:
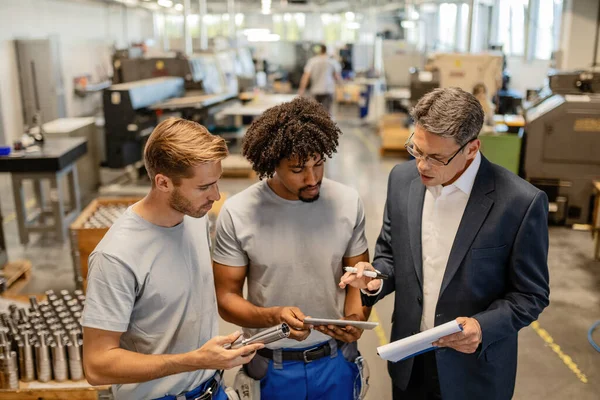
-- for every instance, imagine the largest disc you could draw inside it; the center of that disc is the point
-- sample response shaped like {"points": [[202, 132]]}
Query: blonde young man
{"points": [[150, 320]]}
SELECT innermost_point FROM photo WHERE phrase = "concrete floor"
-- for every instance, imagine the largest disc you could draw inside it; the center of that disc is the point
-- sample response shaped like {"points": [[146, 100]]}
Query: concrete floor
{"points": [[545, 372]]}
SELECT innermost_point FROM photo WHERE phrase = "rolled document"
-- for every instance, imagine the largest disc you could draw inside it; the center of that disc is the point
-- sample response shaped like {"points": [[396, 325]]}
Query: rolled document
{"points": [[417, 344], [267, 336]]}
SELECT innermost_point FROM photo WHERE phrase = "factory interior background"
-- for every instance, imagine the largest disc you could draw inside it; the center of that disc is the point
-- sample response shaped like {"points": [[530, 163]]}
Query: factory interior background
{"points": [[94, 77]]}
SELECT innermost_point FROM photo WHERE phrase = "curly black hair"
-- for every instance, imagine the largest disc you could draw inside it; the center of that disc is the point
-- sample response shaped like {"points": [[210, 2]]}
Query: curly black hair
{"points": [[301, 127]]}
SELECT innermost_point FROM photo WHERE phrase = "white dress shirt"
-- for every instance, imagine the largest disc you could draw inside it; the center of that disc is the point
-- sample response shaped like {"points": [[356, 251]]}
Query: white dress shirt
{"points": [[443, 209]]}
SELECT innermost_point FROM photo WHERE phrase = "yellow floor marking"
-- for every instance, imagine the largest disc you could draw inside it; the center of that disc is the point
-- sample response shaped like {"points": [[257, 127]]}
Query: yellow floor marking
{"points": [[365, 140], [12, 216], [378, 329], [568, 361]]}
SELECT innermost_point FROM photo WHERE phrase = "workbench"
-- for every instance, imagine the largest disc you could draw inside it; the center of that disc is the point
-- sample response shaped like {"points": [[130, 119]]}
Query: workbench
{"points": [[54, 160]]}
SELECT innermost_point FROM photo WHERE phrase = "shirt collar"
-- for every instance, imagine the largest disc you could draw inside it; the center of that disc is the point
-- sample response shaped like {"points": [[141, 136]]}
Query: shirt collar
{"points": [[466, 181]]}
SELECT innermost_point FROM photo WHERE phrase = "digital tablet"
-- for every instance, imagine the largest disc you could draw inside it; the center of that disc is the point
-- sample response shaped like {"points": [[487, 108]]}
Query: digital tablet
{"points": [[340, 322]]}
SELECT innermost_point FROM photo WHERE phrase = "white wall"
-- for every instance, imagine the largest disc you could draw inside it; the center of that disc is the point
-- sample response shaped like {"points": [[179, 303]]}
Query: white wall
{"points": [[86, 30], [578, 34]]}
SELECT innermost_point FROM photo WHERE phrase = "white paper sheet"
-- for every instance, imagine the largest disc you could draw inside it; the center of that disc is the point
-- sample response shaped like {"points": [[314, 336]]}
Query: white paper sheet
{"points": [[419, 343]]}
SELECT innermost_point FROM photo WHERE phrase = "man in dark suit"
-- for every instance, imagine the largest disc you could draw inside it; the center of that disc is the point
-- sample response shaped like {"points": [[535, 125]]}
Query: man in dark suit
{"points": [[462, 239]]}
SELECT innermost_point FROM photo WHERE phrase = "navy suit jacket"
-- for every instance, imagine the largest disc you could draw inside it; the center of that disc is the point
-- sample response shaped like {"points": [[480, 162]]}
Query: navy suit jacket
{"points": [[497, 272]]}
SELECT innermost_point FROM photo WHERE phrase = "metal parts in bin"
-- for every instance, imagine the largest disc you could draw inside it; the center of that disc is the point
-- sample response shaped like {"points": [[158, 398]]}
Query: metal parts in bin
{"points": [[42, 343], [105, 216]]}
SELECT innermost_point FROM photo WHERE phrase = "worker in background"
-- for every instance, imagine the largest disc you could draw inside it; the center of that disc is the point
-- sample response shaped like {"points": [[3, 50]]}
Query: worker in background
{"points": [[290, 235], [462, 239], [480, 93], [150, 319], [323, 72]]}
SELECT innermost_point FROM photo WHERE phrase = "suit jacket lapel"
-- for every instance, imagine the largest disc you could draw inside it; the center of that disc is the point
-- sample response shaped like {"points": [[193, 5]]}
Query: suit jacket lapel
{"points": [[416, 196], [476, 211]]}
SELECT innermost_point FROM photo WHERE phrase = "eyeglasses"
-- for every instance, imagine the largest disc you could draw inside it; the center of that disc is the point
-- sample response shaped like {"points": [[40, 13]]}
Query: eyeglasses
{"points": [[409, 146]]}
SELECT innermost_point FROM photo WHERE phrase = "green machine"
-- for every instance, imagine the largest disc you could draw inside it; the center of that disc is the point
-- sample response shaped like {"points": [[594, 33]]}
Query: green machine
{"points": [[502, 148]]}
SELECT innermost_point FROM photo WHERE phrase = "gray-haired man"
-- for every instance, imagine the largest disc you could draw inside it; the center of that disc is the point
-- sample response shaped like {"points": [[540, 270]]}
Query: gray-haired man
{"points": [[462, 239]]}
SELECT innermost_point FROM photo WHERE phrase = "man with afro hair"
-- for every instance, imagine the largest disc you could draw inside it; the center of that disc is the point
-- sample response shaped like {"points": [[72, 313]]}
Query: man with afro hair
{"points": [[290, 235]]}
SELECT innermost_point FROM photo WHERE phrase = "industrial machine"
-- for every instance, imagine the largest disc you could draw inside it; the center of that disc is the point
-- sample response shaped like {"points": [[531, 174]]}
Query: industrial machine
{"points": [[224, 71], [465, 70], [398, 58], [129, 119], [422, 82], [562, 144]]}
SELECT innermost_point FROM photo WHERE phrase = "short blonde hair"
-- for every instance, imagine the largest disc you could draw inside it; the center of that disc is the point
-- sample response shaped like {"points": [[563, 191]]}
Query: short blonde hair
{"points": [[176, 145]]}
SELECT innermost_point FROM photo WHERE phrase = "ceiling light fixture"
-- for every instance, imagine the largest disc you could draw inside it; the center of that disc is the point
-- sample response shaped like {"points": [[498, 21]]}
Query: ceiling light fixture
{"points": [[165, 3]]}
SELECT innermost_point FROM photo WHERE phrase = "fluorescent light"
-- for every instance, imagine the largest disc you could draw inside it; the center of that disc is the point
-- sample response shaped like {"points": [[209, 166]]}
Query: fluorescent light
{"points": [[128, 2], [350, 16], [179, 7], [414, 15], [408, 24], [353, 25], [165, 3]]}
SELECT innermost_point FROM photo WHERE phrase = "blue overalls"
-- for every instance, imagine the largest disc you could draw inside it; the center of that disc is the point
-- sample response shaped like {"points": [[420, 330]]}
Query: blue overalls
{"points": [[327, 377]]}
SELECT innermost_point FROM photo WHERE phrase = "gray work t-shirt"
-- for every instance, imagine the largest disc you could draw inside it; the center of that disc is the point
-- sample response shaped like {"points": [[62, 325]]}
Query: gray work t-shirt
{"points": [[293, 250], [155, 285], [322, 71]]}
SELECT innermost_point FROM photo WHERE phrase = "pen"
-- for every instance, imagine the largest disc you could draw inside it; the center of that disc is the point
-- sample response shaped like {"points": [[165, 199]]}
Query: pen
{"points": [[370, 274]]}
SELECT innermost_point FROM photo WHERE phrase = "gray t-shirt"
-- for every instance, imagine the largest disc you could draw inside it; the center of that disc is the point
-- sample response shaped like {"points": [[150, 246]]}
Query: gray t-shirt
{"points": [[155, 285], [293, 250], [322, 69]]}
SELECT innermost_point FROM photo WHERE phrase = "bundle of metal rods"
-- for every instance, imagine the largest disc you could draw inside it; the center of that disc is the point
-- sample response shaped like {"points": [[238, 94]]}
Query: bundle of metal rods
{"points": [[105, 216], [43, 342]]}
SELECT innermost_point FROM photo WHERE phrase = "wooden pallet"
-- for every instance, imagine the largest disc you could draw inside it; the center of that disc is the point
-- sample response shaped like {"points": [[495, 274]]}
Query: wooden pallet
{"points": [[17, 275], [54, 391]]}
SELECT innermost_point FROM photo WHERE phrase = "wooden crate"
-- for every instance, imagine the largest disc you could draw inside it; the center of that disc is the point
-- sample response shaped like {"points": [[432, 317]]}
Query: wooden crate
{"points": [[348, 93], [84, 240], [17, 275], [393, 140], [54, 391]]}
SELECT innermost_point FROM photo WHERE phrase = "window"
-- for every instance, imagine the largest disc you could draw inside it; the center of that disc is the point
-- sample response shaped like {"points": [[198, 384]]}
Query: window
{"points": [[547, 28], [447, 27], [463, 28], [511, 25]]}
